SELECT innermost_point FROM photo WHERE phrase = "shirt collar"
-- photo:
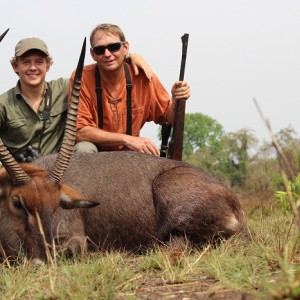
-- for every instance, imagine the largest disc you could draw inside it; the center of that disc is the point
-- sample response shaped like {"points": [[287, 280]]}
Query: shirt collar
{"points": [[18, 90]]}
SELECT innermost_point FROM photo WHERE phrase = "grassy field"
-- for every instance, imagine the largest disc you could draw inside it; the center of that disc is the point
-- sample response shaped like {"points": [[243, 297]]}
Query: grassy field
{"points": [[264, 267]]}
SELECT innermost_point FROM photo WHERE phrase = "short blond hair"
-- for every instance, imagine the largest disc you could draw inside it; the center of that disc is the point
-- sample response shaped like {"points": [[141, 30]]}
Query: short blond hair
{"points": [[108, 29]]}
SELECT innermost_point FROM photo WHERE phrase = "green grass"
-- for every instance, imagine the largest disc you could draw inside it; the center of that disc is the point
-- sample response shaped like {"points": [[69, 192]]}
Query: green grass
{"points": [[266, 266]]}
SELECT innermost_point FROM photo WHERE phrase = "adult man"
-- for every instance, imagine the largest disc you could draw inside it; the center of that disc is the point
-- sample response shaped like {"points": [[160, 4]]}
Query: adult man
{"points": [[33, 113], [110, 116]]}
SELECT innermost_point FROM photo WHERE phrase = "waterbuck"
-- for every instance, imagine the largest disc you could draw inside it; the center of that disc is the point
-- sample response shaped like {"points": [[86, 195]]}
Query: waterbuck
{"points": [[125, 200]]}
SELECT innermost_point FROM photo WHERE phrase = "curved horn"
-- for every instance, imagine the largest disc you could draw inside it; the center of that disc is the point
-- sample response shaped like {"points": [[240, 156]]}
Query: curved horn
{"points": [[15, 172], [3, 34], [68, 142]]}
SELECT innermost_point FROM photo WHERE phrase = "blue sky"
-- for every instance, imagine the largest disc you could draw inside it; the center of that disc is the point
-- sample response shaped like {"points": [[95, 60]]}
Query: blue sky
{"points": [[237, 50]]}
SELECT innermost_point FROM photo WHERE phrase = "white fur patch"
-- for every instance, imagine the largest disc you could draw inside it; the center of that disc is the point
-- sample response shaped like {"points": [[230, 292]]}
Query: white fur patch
{"points": [[233, 223], [65, 197]]}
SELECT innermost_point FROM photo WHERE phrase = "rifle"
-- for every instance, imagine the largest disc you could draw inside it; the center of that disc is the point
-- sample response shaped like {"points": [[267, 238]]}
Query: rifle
{"points": [[3, 34], [173, 150]]}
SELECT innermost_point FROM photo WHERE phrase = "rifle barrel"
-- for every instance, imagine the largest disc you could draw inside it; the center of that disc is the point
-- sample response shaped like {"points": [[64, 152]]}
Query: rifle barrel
{"points": [[185, 40]]}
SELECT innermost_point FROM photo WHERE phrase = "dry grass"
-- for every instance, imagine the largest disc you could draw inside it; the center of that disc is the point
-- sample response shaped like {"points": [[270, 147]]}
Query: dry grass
{"points": [[263, 267]]}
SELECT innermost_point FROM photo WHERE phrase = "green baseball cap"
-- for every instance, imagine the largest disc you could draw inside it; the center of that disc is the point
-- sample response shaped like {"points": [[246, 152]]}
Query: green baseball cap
{"points": [[27, 44]]}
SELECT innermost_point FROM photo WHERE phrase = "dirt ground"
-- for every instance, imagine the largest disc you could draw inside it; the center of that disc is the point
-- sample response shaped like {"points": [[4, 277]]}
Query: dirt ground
{"points": [[202, 289]]}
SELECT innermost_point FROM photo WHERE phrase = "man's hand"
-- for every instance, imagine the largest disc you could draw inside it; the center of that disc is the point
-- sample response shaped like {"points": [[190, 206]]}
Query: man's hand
{"points": [[138, 62], [180, 90], [140, 144]]}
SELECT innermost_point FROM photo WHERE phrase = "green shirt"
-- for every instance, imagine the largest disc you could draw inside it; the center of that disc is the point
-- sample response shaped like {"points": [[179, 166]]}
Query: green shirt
{"points": [[21, 126]]}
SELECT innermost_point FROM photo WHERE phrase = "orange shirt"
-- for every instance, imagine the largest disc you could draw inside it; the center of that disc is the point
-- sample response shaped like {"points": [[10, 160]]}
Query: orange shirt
{"points": [[150, 102]]}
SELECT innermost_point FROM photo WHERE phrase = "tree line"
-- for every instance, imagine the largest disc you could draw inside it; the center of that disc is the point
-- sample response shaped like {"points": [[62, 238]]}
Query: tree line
{"points": [[236, 158]]}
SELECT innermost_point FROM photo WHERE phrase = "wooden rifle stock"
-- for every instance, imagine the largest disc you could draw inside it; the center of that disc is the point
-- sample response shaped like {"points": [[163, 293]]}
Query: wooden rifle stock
{"points": [[176, 143]]}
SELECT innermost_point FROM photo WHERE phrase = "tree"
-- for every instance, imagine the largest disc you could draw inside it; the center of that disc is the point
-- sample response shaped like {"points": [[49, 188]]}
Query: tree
{"points": [[206, 145], [203, 144], [264, 175], [289, 143], [239, 144], [200, 133]]}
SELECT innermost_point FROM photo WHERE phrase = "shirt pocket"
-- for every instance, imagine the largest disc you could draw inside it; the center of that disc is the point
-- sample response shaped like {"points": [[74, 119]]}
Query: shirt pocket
{"points": [[137, 120], [58, 117], [18, 129]]}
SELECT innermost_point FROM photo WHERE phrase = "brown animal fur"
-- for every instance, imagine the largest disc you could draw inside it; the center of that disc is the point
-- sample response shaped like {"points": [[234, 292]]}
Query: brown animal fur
{"points": [[142, 200]]}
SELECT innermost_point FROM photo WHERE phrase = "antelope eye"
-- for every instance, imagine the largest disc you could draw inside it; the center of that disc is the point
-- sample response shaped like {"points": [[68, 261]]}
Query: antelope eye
{"points": [[17, 203]]}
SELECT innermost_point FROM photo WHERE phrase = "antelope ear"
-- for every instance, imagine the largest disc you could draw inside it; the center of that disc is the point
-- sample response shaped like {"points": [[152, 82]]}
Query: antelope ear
{"points": [[70, 198]]}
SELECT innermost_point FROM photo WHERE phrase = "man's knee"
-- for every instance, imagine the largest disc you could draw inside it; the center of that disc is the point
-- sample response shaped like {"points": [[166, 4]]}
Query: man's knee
{"points": [[86, 147]]}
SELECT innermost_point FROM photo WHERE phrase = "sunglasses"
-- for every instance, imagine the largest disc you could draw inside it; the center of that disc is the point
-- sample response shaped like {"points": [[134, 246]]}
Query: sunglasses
{"points": [[99, 50]]}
